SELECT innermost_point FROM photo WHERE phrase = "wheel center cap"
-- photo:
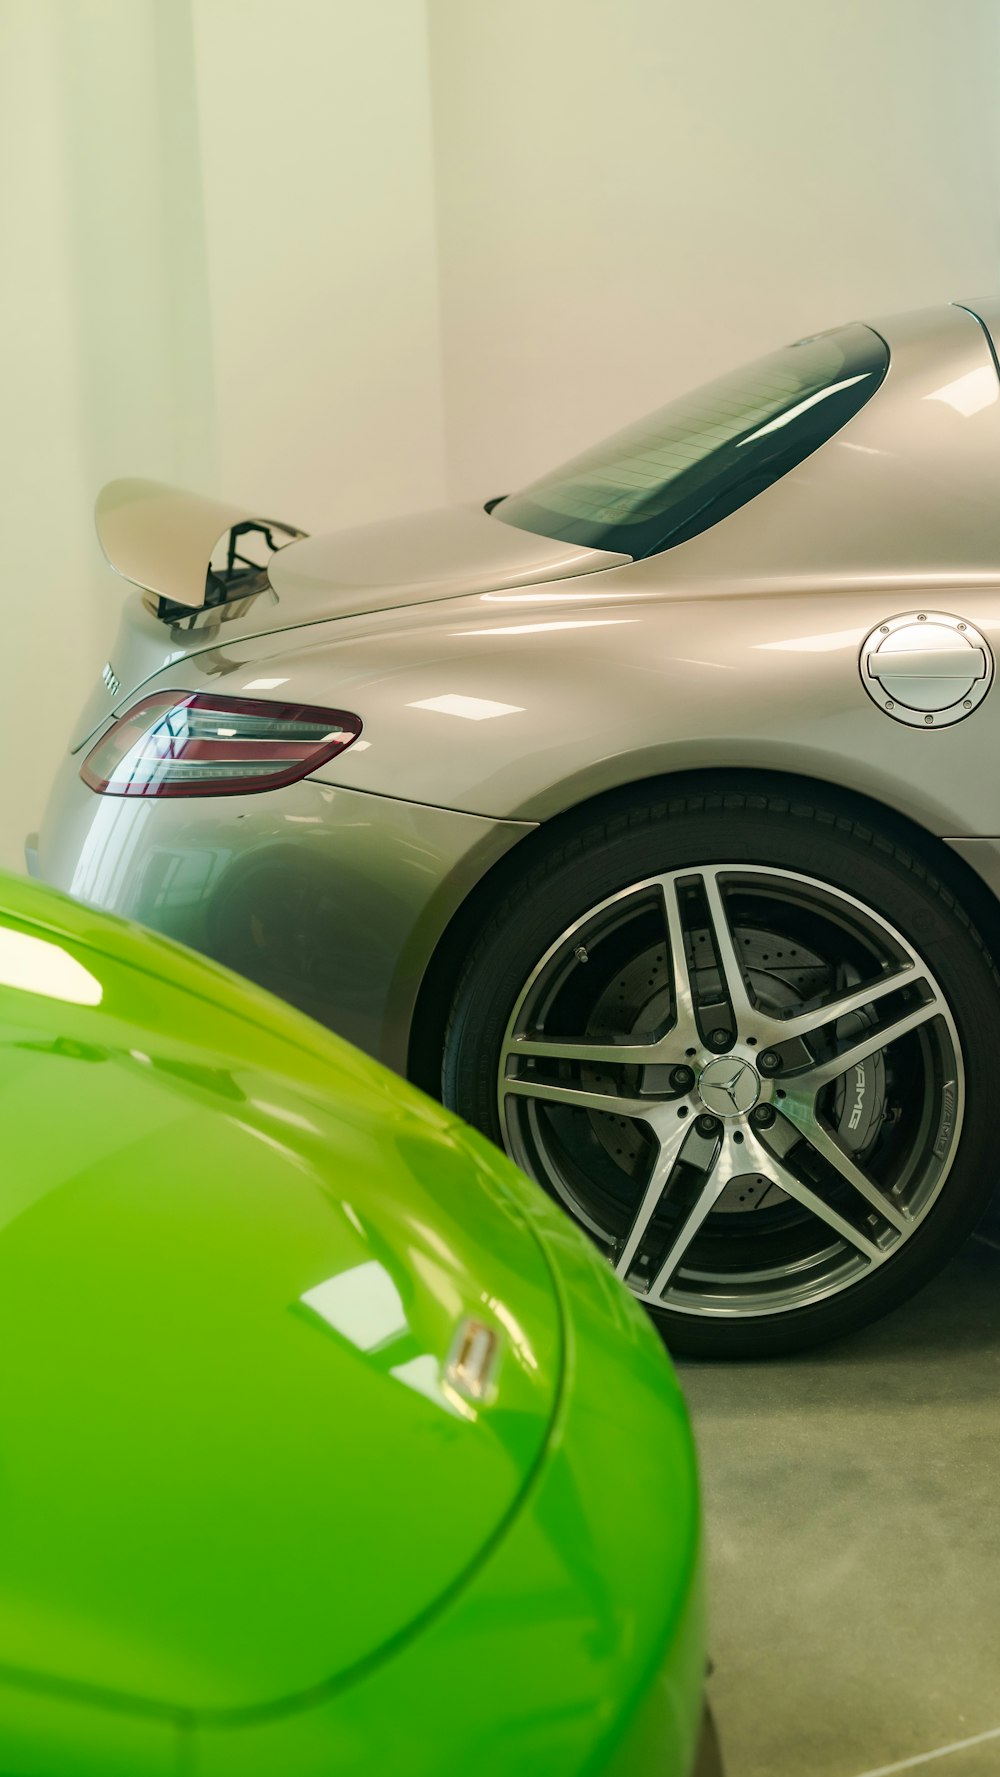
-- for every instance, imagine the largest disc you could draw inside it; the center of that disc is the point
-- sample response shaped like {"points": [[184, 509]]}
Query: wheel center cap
{"points": [[729, 1087]]}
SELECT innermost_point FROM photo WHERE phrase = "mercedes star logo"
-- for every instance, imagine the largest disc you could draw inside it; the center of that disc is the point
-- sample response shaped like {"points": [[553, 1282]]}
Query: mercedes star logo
{"points": [[729, 1087]]}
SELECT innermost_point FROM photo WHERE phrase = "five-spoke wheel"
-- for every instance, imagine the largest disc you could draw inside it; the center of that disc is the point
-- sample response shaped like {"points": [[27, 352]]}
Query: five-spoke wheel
{"points": [[746, 1080]]}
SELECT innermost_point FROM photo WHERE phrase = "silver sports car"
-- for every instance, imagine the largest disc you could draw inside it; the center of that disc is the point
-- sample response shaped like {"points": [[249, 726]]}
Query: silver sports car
{"points": [[650, 815]]}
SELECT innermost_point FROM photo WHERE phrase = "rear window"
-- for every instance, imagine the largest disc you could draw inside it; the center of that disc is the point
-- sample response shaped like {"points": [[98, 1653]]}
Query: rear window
{"points": [[698, 459]]}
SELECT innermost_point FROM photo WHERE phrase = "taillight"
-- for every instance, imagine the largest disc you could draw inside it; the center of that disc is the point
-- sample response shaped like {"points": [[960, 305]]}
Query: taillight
{"points": [[181, 743]]}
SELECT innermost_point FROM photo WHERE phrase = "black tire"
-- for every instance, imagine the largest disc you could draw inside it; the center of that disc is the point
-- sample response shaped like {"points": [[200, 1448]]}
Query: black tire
{"points": [[820, 839]]}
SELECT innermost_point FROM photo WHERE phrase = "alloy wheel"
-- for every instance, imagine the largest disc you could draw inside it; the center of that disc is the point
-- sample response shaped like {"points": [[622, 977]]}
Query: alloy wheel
{"points": [[747, 1085]]}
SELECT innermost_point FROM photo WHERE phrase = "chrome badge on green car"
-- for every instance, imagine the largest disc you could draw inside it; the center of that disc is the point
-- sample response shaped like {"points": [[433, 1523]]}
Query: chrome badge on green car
{"points": [[327, 1443]]}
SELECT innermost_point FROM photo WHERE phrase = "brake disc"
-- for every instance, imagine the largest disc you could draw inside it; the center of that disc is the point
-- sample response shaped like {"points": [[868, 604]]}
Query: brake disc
{"points": [[782, 976]]}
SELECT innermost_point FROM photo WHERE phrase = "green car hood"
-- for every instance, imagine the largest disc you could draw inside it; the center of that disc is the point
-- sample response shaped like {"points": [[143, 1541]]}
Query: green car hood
{"points": [[235, 1256]]}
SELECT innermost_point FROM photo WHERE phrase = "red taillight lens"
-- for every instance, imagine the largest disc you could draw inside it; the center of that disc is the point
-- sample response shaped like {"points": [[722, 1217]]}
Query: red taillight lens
{"points": [[180, 743]]}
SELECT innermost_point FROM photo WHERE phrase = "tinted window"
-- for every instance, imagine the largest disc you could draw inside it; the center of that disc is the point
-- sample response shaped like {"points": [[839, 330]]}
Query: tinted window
{"points": [[698, 459]]}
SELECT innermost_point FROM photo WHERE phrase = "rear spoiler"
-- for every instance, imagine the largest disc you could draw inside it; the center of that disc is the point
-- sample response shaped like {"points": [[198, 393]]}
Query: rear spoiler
{"points": [[164, 540]]}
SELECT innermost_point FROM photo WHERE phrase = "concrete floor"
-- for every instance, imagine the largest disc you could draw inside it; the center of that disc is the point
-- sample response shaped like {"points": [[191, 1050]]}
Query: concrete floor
{"points": [[853, 1508]]}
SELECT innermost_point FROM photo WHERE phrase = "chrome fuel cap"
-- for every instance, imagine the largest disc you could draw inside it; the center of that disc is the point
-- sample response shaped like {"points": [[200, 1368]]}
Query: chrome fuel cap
{"points": [[926, 668]]}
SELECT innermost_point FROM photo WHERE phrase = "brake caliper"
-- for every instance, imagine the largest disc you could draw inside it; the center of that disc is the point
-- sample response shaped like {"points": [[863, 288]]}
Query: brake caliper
{"points": [[859, 1106]]}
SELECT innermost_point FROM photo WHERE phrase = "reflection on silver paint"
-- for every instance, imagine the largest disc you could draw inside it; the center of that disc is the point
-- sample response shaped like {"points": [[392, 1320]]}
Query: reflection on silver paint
{"points": [[534, 629], [332, 900], [548, 595], [838, 638], [472, 709], [970, 392]]}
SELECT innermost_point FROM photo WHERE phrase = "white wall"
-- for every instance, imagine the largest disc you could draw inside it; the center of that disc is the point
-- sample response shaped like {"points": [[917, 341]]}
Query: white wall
{"points": [[219, 268], [102, 318], [636, 194], [317, 173], [343, 259]]}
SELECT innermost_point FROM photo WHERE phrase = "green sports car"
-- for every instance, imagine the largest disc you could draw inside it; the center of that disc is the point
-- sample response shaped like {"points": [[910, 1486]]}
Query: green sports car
{"points": [[327, 1444]]}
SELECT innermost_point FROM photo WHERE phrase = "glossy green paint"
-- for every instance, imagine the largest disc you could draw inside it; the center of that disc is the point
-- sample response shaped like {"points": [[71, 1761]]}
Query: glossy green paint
{"points": [[246, 1523]]}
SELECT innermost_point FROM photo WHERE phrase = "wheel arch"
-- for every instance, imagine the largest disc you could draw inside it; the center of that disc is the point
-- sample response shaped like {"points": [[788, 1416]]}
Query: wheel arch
{"points": [[718, 786]]}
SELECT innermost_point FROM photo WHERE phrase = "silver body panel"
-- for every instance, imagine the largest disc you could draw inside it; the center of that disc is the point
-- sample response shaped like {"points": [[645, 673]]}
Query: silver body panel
{"points": [[519, 678], [331, 899], [425, 556]]}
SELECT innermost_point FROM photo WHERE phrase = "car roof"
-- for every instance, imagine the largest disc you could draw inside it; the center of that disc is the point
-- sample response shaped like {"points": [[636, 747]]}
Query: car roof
{"points": [[906, 490]]}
